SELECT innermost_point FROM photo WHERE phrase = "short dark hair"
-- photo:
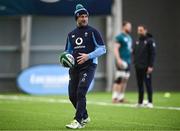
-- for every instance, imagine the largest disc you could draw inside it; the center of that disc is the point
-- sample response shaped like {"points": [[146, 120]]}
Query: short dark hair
{"points": [[143, 25], [125, 23]]}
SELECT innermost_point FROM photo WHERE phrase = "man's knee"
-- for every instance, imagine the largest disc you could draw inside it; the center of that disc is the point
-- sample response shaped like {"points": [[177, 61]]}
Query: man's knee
{"points": [[118, 80], [122, 77]]}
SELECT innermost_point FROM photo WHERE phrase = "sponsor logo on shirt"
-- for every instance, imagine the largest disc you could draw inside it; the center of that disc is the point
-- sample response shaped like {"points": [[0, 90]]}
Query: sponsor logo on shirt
{"points": [[78, 42]]}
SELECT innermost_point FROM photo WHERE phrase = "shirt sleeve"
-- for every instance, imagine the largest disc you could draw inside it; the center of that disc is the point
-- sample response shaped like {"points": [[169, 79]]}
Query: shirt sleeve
{"points": [[97, 38], [118, 39], [100, 48], [68, 47], [152, 52]]}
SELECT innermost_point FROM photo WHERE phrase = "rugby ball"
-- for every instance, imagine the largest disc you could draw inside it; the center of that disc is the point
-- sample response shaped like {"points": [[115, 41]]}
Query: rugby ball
{"points": [[66, 60]]}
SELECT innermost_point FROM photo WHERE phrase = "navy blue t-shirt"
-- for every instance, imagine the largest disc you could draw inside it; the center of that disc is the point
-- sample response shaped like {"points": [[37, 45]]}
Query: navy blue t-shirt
{"points": [[85, 40]]}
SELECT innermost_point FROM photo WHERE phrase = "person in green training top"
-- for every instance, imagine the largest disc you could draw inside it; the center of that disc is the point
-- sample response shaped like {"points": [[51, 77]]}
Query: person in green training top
{"points": [[122, 52]]}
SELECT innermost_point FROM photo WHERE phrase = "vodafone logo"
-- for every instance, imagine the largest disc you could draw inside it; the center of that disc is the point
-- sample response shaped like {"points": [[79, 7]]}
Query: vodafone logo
{"points": [[79, 41]]}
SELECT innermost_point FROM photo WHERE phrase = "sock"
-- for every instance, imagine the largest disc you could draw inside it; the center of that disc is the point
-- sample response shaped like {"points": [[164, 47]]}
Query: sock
{"points": [[115, 95], [120, 96]]}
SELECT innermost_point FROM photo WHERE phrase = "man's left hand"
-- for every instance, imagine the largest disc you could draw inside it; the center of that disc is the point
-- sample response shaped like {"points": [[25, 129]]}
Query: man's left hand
{"points": [[82, 58]]}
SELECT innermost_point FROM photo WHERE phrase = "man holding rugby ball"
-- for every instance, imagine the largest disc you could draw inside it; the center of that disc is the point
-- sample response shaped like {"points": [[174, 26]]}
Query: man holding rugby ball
{"points": [[86, 45]]}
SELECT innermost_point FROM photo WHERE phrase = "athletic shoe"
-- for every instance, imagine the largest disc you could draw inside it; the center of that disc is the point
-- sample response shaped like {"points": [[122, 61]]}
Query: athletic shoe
{"points": [[85, 121], [74, 125], [115, 100], [139, 105], [149, 105], [145, 102], [123, 101]]}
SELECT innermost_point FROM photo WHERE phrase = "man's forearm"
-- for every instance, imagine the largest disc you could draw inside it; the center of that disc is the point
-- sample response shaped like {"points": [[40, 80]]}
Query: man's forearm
{"points": [[97, 52]]}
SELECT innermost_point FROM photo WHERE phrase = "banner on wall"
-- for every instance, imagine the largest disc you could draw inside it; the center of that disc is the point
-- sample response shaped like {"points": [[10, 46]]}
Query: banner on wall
{"points": [[45, 79], [53, 7]]}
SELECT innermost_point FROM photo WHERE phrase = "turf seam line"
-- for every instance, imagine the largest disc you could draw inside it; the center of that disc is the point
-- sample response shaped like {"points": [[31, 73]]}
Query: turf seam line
{"points": [[52, 100]]}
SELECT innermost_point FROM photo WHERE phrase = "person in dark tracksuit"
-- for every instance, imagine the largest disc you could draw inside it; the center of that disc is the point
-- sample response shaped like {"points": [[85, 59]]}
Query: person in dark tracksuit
{"points": [[144, 57], [86, 45]]}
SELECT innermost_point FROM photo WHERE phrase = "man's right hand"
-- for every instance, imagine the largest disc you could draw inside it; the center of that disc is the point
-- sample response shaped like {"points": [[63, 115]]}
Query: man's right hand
{"points": [[122, 64], [119, 62]]}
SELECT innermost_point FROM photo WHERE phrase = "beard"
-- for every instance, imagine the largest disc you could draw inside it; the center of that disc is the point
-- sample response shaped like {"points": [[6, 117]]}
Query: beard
{"points": [[128, 31], [141, 36], [83, 23]]}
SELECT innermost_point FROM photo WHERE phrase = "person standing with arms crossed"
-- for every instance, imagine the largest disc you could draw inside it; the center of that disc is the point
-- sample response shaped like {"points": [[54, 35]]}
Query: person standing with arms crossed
{"points": [[122, 52], [144, 56], [86, 45]]}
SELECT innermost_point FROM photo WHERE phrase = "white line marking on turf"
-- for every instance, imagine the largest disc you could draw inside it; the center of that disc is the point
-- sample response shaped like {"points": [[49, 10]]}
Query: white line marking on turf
{"points": [[52, 100]]}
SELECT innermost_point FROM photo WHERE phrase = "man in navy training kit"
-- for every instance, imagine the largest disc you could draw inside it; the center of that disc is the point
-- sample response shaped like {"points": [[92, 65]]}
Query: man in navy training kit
{"points": [[86, 45], [144, 56]]}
